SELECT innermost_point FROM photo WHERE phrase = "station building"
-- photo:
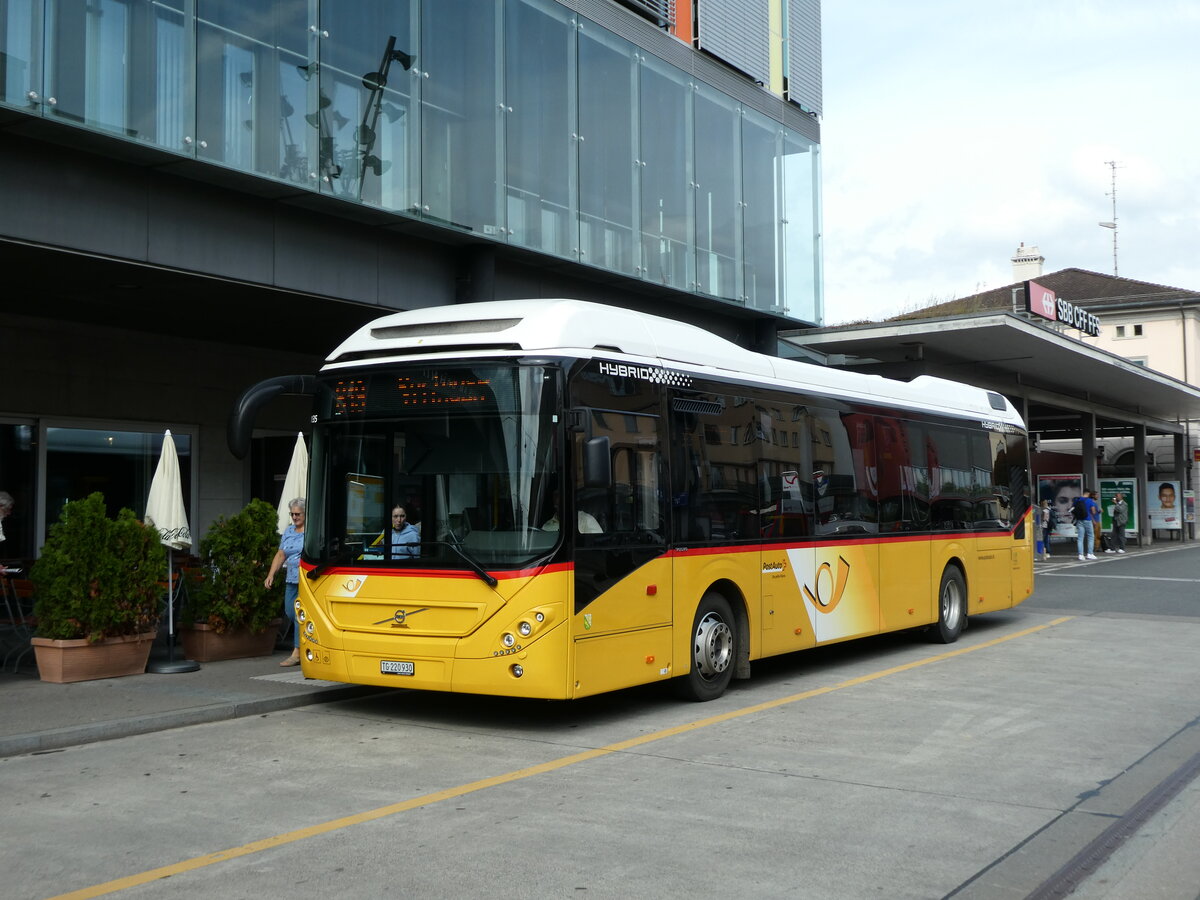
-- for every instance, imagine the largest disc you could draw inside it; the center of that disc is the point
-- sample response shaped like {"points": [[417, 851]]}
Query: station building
{"points": [[1102, 369]]}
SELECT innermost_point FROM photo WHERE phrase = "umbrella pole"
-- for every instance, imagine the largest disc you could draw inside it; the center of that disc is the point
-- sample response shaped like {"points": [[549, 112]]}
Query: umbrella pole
{"points": [[171, 665], [170, 606]]}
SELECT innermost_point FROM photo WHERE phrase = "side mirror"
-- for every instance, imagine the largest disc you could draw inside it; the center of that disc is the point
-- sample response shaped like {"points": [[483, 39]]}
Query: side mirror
{"points": [[597, 463]]}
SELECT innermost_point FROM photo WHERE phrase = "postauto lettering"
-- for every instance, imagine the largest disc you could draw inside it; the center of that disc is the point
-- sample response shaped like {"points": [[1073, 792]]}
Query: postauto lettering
{"points": [[1079, 317]]}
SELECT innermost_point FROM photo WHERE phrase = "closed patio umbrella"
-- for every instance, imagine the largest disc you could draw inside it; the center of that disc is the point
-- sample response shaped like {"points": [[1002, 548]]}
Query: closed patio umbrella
{"points": [[165, 512], [295, 484]]}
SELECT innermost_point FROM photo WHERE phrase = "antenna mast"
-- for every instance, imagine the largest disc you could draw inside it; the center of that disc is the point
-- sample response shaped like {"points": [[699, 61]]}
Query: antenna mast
{"points": [[1112, 164]]}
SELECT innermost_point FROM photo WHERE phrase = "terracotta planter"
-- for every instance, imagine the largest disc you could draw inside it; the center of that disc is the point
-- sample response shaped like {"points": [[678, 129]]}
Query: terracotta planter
{"points": [[77, 660], [203, 644]]}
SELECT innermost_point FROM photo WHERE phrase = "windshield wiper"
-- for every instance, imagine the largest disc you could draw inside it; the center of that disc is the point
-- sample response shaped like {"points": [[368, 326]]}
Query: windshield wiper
{"points": [[337, 558], [475, 565]]}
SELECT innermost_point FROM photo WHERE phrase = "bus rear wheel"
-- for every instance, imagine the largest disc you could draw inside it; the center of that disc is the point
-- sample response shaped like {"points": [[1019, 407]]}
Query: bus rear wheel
{"points": [[714, 650], [952, 607]]}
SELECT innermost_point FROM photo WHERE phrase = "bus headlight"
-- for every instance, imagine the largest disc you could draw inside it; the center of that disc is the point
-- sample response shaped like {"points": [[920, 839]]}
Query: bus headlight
{"points": [[525, 629], [310, 628], [300, 614], [508, 640]]}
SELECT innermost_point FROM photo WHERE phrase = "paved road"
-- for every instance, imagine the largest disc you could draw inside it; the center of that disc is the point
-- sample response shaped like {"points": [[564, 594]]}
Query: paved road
{"points": [[885, 768]]}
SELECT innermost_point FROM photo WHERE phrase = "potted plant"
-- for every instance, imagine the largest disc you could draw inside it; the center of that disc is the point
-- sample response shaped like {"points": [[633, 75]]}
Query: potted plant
{"points": [[232, 613], [96, 594]]}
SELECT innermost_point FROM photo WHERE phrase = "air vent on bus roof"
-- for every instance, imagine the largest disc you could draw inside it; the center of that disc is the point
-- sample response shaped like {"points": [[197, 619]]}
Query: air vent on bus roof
{"points": [[997, 401], [430, 329]]}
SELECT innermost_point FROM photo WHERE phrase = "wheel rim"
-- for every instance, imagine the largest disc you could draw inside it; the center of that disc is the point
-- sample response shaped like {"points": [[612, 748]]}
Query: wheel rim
{"points": [[952, 604], [713, 646]]}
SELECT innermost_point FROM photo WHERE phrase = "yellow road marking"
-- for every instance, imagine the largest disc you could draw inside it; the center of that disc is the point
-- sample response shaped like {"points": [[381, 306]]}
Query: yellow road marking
{"points": [[381, 812]]}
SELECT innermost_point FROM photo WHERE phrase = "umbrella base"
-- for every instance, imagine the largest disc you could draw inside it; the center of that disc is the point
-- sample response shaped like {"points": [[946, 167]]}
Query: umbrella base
{"points": [[172, 666]]}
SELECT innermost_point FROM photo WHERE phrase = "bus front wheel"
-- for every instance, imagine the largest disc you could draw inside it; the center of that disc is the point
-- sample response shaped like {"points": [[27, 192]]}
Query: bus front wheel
{"points": [[952, 607], [714, 650]]}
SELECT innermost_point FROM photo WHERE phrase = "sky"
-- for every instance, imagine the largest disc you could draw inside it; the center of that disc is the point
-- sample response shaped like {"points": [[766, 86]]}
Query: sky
{"points": [[952, 131]]}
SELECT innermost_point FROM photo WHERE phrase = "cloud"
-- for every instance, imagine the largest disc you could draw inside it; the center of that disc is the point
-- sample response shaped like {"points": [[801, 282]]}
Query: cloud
{"points": [[951, 134]]}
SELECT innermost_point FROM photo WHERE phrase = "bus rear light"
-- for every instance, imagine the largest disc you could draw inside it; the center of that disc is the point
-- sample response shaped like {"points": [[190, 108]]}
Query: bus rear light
{"points": [[651, 590]]}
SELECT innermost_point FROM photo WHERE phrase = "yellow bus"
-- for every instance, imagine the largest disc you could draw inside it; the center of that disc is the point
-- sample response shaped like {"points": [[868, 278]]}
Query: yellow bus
{"points": [[599, 498]]}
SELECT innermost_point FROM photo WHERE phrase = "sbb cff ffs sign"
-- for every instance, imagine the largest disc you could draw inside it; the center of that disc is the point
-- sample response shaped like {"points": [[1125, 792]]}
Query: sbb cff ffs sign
{"points": [[1041, 301]]}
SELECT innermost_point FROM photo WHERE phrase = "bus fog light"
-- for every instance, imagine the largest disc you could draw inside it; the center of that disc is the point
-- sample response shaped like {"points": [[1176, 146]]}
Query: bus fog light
{"points": [[508, 640], [308, 654], [525, 629], [517, 670]]}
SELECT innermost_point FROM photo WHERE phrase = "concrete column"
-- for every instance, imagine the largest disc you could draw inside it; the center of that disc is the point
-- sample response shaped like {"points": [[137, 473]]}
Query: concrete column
{"points": [[1087, 430], [1181, 448], [1145, 538]]}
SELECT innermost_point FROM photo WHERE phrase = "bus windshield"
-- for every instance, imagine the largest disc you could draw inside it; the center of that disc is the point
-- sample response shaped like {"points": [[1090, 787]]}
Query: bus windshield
{"points": [[419, 466]]}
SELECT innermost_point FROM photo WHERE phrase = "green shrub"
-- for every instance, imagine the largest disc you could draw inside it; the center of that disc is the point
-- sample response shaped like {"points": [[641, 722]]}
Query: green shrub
{"points": [[98, 577], [235, 555]]}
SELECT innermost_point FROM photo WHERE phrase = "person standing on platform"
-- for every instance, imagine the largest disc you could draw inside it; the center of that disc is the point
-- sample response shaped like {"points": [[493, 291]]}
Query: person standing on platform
{"points": [[1120, 518], [290, 545]]}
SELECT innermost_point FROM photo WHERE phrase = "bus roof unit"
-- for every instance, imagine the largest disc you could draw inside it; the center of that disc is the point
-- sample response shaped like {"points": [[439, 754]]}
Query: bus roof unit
{"points": [[580, 328]]}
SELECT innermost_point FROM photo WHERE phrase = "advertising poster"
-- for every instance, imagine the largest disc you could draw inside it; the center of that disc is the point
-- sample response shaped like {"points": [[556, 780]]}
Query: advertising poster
{"points": [[1189, 506], [1164, 504], [1109, 488], [1061, 491]]}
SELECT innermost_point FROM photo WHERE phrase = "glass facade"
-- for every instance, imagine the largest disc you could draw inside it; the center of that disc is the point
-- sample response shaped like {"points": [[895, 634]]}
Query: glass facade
{"points": [[518, 121]]}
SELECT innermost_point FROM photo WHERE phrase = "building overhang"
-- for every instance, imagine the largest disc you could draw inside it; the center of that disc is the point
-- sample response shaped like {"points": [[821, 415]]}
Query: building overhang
{"points": [[1052, 370]]}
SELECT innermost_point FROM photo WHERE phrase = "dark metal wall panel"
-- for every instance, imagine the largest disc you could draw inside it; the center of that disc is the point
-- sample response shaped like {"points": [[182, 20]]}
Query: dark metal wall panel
{"points": [[55, 196], [737, 31], [804, 53], [195, 228]]}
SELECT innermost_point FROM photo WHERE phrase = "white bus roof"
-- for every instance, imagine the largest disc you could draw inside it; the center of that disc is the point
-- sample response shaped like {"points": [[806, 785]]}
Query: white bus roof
{"points": [[579, 328]]}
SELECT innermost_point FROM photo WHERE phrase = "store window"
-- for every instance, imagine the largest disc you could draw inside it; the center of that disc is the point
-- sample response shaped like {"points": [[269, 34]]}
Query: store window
{"points": [[118, 464], [17, 457]]}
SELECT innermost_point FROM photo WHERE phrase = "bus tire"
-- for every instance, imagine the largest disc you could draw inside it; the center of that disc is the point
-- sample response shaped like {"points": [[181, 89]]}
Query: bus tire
{"points": [[952, 607], [713, 649]]}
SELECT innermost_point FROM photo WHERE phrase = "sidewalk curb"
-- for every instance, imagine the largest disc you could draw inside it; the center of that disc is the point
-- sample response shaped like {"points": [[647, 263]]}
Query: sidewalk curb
{"points": [[62, 738]]}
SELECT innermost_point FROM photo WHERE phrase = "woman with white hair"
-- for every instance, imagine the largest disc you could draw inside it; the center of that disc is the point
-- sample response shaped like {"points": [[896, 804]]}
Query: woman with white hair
{"points": [[290, 545]]}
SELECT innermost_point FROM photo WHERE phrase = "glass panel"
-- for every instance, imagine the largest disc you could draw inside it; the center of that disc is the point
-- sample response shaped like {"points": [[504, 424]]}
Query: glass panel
{"points": [[461, 179], [540, 92], [716, 449], [365, 105], [17, 457], [718, 215], [801, 228], [606, 150], [760, 191], [119, 464], [251, 73], [667, 221], [119, 65], [20, 52], [470, 453]]}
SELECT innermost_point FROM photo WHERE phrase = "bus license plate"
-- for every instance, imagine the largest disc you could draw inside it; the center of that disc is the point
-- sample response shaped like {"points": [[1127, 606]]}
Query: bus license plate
{"points": [[395, 667]]}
